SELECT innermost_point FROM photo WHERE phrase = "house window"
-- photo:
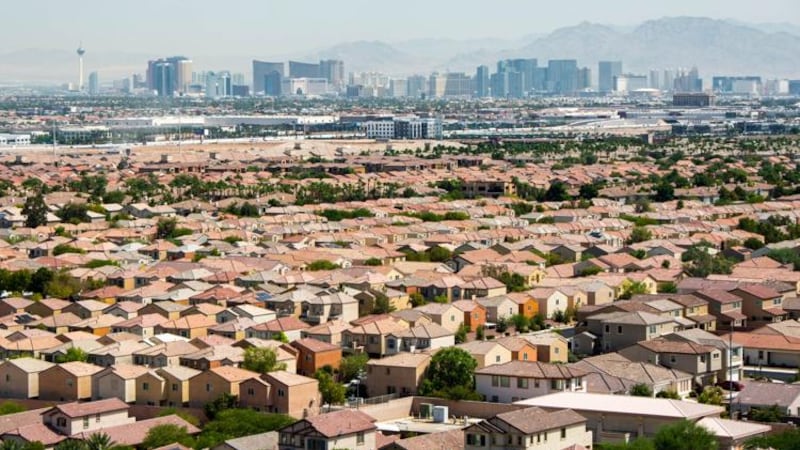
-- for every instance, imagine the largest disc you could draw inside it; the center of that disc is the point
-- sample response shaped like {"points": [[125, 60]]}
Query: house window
{"points": [[497, 358], [505, 382], [209, 388], [702, 358], [8, 378], [495, 380], [556, 384], [69, 382], [563, 433], [536, 384], [61, 422], [281, 393], [652, 329], [608, 328], [85, 423], [174, 387], [388, 370], [97, 417], [251, 392], [522, 383], [360, 438], [525, 356], [495, 399], [761, 354], [619, 329], [145, 386]]}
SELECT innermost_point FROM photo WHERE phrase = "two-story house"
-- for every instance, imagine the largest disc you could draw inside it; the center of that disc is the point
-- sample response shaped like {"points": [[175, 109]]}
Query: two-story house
{"points": [[519, 380], [429, 336], [72, 418], [399, 374], [371, 337], [347, 428], [529, 429], [725, 307], [320, 309], [760, 303], [618, 330], [702, 361]]}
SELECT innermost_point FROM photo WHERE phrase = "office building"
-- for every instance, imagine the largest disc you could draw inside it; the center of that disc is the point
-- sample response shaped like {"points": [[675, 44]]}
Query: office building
{"points": [[482, 82], [736, 85], [94, 84], [584, 78], [304, 86], [398, 87], [163, 78], [218, 84], [606, 72], [629, 83], [451, 85], [562, 76], [692, 99], [304, 70], [794, 87], [404, 128], [668, 81], [654, 80], [183, 73], [267, 78], [499, 85], [333, 71], [417, 86], [688, 81]]}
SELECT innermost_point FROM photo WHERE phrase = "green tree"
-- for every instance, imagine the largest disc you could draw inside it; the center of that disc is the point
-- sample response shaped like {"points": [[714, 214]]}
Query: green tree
{"points": [[588, 191], [333, 393], [639, 234], [521, 323], [262, 360], [35, 211], [352, 366], [669, 393], [479, 333], [637, 444], [753, 243], [767, 414], [789, 439], [222, 403], [373, 262], [450, 369], [100, 441], [73, 354], [63, 286], [664, 192], [685, 435], [641, 390], [69, 444], [635, 288], [439, 254], [461, 334], [711, 395], [9, 407], [557, 192], [74, 213], [667, 287], [321, 264], [161, 435], [417, 299], [233, 423], [382, 304]]}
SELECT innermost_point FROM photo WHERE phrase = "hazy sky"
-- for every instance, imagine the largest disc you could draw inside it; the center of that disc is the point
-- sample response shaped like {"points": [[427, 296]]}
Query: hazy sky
{"points": [[274, 27]]}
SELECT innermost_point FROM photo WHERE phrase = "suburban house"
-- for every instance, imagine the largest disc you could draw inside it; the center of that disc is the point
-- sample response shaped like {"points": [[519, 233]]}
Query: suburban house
{"points": [[516, 380], [117, 382], [487, 353], [19, 377], [619, 330], [209, 385], [529, 429], [371, 337], [704, 362], [347, 428], [67, 381], [281, 392], [398, 374], [474, 313], [444, 314], [760, 303], [70, 419], [313, 355], [423, 337]]}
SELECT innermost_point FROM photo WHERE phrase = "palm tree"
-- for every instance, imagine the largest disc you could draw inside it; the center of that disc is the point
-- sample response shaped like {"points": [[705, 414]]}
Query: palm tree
{"points": [[100, 441], [10, 445], [70, 444]]}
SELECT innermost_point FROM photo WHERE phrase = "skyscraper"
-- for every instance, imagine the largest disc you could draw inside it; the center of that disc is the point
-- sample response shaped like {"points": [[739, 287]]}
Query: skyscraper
{"points": [[81, 51], [267, 71], [219, 84], [163, 73], [562, 76], [655, 79], [183, 73], [333, 71], [170, 75], [482, 82], [94, 84], [303, 70], [584, 78], [606, 71]]}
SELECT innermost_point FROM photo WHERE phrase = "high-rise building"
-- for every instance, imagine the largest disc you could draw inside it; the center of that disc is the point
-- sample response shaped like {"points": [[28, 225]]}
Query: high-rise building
{"points": [[688, 81], [398, 87], [654, 81], [94, 84], [183, 73], [304, 70], [451, 85], [628, 82], [736, 85], [668, 81], [562, 76], [163, 76], [219, 84], [267, 78], [500, 84], [584, 78], [333, 71], [482, 82], [417, 86], [304, 86], [606, 71], [237, 79]]}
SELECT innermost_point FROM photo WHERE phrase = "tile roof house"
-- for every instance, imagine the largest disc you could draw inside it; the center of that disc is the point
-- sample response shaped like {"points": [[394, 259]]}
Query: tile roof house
{"points": [[19, 377], [341, 429], [207, 386], [398, 374], [67, 381], [530, 428], [516, 380], [282, 392]]}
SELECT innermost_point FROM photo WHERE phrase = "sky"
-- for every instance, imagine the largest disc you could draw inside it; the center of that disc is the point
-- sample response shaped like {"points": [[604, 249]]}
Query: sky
{"points": [[263, 28]]}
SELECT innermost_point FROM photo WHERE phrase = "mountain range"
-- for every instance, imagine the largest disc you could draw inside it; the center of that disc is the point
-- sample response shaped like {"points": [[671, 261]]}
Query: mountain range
{"points": [[716, 47]]}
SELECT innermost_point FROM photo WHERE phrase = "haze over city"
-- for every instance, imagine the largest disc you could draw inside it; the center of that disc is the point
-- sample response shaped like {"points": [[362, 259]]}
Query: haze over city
{"points": [[418, 225]]}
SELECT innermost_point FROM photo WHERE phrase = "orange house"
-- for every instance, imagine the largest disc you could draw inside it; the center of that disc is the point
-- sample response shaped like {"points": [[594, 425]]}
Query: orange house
{"points": [[314, 355], [474, 313], [521, 349], [528, 306]]}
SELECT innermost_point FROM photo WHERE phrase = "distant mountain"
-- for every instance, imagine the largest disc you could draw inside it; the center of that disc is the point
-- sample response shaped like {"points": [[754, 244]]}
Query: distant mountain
{"points": [[715, 46]]}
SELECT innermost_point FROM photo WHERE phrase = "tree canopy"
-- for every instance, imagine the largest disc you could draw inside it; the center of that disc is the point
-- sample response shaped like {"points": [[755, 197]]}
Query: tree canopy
{"points": [[262, 360], [451, 375]]}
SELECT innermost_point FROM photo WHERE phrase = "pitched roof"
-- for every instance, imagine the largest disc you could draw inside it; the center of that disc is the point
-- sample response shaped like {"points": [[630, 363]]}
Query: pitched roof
{"points": [[76, 409], [534, 420], [532, 369], [341, 423]]}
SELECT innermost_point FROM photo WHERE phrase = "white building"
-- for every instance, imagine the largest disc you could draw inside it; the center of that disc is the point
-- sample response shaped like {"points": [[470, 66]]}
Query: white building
{"points": [[519, 380], [15, 139], [305, 86], [630, 83], [379, 129]]}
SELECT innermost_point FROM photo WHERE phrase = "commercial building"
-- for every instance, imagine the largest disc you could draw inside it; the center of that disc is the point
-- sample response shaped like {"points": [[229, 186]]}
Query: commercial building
{"points": [[304, 70], [333, 71], [169, 76], [404, 128], [267, 78], [482, 82], [562, 76], [607, 71], [94, 84], [630, 83], [450, 85], [304, 86], [736, 85], [218, 84], [692, 99]]}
